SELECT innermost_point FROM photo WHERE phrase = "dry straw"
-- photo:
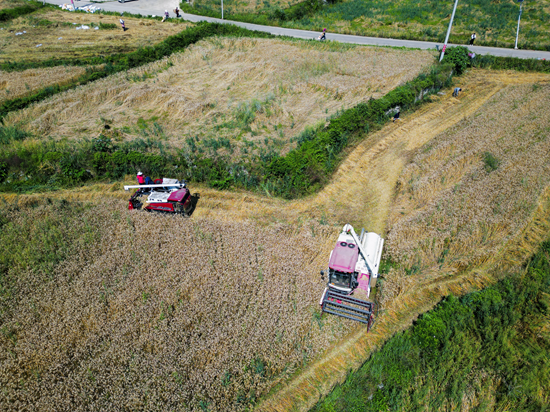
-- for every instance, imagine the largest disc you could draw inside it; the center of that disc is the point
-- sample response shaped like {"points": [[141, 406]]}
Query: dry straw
{"points": [[240, 89]]}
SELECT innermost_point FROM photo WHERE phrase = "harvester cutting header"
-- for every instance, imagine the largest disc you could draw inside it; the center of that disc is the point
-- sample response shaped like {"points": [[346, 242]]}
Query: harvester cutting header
{"points": [[353, 267]]}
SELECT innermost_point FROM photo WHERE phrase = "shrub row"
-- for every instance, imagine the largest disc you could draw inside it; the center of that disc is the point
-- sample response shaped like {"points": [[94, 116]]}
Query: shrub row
{"points": [[486, 348], [304, 170], [510, 63], [10, 14]]}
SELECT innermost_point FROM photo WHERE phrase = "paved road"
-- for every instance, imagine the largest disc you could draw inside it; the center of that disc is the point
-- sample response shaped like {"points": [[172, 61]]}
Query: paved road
{"points": [[157, 7]]}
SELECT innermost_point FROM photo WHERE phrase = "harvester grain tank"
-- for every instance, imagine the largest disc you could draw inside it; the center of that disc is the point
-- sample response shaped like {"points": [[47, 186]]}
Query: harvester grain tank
{"points": [[165, 195], [352, 270]]}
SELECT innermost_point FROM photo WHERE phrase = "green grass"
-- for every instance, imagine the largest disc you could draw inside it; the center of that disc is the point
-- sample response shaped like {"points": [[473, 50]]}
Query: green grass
{"points": [[489, 348], [493, 21]]}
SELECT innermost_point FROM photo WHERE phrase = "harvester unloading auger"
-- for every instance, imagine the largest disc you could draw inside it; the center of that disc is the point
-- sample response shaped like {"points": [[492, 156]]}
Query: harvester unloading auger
{"points": [[353, 267], [165, 195]]}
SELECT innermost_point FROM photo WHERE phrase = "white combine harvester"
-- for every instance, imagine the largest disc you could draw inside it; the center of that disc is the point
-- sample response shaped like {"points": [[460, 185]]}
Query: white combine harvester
{"points": [[353, 267], [165, 195]]}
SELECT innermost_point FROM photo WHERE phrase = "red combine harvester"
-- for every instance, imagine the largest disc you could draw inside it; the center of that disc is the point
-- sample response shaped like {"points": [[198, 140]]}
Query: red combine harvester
{"points": [[165, 195], [352, 269]]}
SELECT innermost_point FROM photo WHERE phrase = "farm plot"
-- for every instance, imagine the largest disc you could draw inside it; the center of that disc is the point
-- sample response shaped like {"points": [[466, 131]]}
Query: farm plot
{"points": [[53, 34], [472, 191], [234, 97], [155, 313], [18, 84]]}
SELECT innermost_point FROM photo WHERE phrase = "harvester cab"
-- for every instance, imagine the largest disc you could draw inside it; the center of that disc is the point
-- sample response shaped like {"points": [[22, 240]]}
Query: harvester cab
{"points": [[165, 195], [352, 269]]}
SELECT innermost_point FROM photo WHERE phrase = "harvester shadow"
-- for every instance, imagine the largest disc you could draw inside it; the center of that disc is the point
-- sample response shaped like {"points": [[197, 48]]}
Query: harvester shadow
{"points": [[194, 200]]}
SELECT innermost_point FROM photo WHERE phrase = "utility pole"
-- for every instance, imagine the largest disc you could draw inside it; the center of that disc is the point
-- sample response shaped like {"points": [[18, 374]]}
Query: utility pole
{"points": [[519, 18], [448, 31], [222, 9]]}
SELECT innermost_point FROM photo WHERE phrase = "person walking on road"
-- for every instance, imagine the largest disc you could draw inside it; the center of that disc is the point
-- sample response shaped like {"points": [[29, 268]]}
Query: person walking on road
{"points": [[456, 91], [177, 11], [472, 39], [166, 14]]}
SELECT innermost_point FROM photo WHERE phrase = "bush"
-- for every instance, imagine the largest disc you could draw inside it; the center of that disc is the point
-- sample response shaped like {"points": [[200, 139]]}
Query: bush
{"points": [[458, 57], [491, 162], [10, 134]]}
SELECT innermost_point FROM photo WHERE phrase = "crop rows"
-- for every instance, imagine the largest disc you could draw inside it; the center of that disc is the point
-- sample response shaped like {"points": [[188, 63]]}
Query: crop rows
{"points": [[224, 96]]}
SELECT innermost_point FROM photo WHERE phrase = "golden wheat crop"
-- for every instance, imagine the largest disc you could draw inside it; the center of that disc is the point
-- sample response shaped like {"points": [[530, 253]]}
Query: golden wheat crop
{"points": [[255, 92], [162, 313]]}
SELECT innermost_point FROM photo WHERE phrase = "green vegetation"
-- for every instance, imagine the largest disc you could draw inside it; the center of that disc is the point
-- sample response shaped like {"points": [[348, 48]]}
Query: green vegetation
{"points": [[489, 350], [13, 13], [494, 22]]}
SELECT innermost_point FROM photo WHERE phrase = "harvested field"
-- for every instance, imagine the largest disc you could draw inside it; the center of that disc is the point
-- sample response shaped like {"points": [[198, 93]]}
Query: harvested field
{"points": [[426, 182], [224, 95], [56, 32], [18, 84], [472, 190]]}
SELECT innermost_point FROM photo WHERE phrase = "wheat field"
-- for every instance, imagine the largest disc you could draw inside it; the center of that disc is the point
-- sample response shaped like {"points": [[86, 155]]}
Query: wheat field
{"points": [[158, 313], [163, 313], [256, 93]]}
